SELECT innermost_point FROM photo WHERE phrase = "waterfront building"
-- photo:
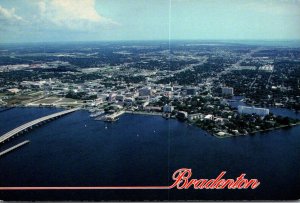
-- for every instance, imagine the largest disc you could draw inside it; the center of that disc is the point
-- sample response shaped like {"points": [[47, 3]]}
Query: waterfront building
{"points": [[168, 108], [195, 116], [182, 114], [153, 108], [97, 102], [227, 91], [116, 107], [253, 110]]}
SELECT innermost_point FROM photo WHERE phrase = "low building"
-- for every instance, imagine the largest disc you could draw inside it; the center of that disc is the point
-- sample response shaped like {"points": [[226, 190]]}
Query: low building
{"points": [[13, 90], [253, 110], [168, 94], [97, 102], [182, 114], [145, 91], [153, 108], [195, 116], [132, 94], [191, 91], [112, 97], [168, 88], [142, 98], [128, 101], [267, 68], [227, 91], [120, 98], [208, 117]]}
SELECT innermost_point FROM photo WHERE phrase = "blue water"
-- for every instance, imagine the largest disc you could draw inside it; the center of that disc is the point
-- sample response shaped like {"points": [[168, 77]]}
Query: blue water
{"points": [[137, 150]]}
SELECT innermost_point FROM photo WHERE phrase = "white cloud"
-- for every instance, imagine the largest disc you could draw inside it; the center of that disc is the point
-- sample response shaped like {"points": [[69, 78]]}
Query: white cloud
{"points": [[9, 15], [72, 14]]}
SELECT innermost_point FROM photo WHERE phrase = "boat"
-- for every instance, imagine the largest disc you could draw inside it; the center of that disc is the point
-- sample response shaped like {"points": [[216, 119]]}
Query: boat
{"points": [[108, 119], [96, 114]]}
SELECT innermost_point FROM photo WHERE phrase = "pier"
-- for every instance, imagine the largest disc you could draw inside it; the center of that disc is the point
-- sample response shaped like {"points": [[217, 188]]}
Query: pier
{"points": [[114, 116], [111, 117], [14, 147], [25, 127]]}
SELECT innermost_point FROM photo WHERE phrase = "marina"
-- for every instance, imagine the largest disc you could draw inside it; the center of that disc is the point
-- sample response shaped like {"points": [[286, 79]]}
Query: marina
{"points": [[111, 117], [96, 114]]}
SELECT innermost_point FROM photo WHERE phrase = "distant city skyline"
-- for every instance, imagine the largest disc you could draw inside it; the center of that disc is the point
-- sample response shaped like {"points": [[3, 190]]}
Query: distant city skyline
{"points": [[106, 20]]}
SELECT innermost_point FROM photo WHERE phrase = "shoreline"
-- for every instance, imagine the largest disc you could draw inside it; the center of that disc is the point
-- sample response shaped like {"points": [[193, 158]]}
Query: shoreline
{"points": [[258, 131], [144, 113], [161, 114]]}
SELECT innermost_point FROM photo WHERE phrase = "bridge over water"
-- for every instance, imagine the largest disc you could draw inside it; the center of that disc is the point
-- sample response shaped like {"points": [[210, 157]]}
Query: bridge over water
{"points": [[33, 123]]}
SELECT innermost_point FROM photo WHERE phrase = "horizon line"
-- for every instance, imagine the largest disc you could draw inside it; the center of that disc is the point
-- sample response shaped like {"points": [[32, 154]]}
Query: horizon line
{"points": [[153, 40]]}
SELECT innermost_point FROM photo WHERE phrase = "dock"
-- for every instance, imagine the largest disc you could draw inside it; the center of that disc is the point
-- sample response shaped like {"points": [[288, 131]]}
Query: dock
{"points": [[14, 147], [111, 117]]}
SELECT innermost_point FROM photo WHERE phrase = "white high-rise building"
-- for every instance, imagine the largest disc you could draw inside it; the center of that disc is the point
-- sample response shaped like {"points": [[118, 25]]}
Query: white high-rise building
{"points": [[253, 110]]}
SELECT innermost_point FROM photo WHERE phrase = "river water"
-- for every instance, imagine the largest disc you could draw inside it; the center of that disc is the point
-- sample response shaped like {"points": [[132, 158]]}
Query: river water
{"points": [[140, 150]]}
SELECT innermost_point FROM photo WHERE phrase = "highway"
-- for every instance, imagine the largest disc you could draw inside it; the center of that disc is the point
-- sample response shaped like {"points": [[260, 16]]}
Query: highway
{"points": [[30, 124]]}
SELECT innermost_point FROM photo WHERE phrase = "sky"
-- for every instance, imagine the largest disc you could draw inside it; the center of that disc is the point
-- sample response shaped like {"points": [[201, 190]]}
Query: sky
{"points": [[102, 20]]}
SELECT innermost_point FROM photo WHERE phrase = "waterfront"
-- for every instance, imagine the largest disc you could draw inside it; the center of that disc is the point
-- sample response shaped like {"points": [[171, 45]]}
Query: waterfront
{"points": [[138, 150]]}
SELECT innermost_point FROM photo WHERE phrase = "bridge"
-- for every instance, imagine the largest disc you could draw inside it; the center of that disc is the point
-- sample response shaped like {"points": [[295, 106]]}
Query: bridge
{"points": [[33, 123], [14, 147]]}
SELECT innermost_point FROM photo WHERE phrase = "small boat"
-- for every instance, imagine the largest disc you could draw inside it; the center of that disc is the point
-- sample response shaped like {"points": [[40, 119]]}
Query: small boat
{"points": [[110, 120], [96, 114]]}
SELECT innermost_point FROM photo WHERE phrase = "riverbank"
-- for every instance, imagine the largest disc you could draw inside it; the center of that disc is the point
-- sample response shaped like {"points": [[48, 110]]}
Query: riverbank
{"points": [[78, 143], [225, 135], [144, 113], [258, 131]]}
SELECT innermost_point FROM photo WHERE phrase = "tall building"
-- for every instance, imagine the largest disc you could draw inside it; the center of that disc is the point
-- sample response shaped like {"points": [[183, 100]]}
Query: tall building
{"points": [[227, 90], [253, 110]]}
